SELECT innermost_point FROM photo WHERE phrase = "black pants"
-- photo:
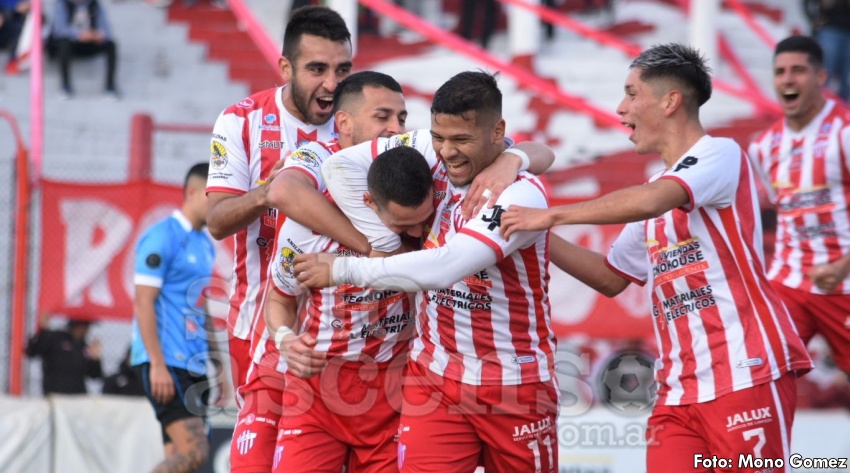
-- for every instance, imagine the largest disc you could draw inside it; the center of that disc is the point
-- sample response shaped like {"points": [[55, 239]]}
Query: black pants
{"points": [[67, 49], [10, 31], [467, 19]]}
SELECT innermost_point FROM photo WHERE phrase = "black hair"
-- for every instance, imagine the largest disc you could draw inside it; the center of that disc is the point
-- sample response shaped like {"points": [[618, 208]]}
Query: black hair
{"points": [[201, 170], [353, 85], [801, 44], [470, 91], [400, 175], [313, 20], [683, 65]]}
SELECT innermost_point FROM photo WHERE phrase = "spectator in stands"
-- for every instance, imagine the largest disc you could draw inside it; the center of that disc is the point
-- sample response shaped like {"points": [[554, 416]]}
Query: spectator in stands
{"points": [[831, 27], [13, 13], [468, 15], [80, 29], [125, 382], [170, 347], [66, 358]]}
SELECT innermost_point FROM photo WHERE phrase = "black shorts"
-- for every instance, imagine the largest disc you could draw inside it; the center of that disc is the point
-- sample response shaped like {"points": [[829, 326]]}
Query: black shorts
{"points": [[191, 395]]}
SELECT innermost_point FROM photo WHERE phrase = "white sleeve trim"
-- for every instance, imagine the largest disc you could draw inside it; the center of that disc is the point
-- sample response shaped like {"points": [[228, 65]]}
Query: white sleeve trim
{"points": [[436, 268], [147, 280]]}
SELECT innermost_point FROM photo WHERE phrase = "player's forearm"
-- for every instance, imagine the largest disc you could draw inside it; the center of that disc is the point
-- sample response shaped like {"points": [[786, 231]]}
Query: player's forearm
{"points": [[585, 265], [627, 205], [842, 265], [419, 270], [280, 311], [146, 320], [540, 156], [305, 205], [230, 215]]}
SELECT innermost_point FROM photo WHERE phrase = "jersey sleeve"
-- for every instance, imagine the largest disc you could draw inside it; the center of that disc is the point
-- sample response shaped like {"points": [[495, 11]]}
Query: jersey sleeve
{"points": [[153, 253], [461, 256], [345, 176], [759, 167], [229, 169], [309, 159], [710, 174], [526, 191], [844, 143], [627, 257]]}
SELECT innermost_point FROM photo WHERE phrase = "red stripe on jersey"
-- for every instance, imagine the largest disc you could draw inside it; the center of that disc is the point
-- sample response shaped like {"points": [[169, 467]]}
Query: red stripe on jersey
{"points": [[227, 190], [688, 378], [426, 356], [483, 239], [240, 256], [666, 348], [446, 332], [538, 281], [483, 338], [519, 313], [836, 252]]}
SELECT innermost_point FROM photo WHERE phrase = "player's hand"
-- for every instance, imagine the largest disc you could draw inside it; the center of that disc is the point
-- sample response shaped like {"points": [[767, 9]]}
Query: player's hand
{"points": [[489, 184], [302, 360], [826, 277], [315, 269], [517, 219], [162, 385]]}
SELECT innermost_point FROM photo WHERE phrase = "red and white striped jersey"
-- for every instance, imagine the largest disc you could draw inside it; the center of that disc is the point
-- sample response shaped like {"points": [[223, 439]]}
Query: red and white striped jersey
{"points": [[719, 325], [307, 159], [808, 172], [491, 327], [349, 322], [248, 139]]}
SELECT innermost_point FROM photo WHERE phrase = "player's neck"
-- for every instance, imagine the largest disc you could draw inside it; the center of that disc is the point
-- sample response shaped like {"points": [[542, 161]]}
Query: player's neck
{"points": [[802, 121], [289, 104], [680, 140], [197, 223]]}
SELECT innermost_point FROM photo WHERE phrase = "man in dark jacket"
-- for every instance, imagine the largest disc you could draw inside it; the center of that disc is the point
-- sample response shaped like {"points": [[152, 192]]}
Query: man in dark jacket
{"points": [[66, 358]]}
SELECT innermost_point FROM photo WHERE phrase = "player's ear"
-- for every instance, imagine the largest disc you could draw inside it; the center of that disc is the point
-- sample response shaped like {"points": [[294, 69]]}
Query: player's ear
{"points": [[367, 199], [343, 122], [499, 131], [285, 69]]}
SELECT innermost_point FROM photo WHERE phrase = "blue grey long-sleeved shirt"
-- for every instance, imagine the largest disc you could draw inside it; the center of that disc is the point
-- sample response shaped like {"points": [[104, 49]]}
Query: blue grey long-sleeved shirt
{"points": [[63, 24]]}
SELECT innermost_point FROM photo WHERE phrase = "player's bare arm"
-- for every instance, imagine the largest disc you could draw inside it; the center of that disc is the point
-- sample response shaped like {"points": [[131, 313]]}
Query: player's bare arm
{"points": [[281, 316], [585, 265], [229, 213], [162, 386], [294, 193], [503, 172], [631, 204], [220, 358]]}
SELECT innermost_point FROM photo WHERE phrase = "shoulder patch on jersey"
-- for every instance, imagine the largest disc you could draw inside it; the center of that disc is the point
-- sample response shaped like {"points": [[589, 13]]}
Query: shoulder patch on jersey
{"points": [[245, 103], [153, 261], [287, 258], [305, 158], [495, 218], [218, 155], [686, 163]]}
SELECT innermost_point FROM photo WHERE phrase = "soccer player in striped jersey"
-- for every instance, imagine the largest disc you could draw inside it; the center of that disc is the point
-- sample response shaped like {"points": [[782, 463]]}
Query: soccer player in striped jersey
{"points": [[250, 138], [728, 350], [804, 164], [480, 383]]}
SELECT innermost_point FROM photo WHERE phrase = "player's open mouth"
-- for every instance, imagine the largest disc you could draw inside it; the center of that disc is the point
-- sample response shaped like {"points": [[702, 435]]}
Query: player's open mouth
{"points": [[325, 103], [629, 125], [790, 96], [456, 167]]}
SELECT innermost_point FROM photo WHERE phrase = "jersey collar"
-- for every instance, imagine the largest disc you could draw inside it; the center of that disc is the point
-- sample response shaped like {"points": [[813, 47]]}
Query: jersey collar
{"points": [[184, 221]]}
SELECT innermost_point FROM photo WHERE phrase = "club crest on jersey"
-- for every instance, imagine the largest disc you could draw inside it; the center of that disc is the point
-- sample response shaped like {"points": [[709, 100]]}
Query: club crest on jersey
{"points": [[304, 158], [218, 156], [287, 260]]}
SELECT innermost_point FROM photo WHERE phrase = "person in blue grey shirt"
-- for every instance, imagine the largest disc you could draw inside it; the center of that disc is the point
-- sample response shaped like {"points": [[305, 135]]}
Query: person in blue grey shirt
{"points": [[81, 28], [169, 348]]}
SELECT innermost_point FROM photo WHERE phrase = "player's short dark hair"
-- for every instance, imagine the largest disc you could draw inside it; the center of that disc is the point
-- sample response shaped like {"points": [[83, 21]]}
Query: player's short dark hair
{"points": [[470, 91], [313, 20], [353, 85], [400, 175], [201, 170], [801, 44], [681, 64]]}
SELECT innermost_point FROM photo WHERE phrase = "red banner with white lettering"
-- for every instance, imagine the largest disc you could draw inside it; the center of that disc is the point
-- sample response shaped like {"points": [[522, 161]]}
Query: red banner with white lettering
{"points": [[89, 235]]}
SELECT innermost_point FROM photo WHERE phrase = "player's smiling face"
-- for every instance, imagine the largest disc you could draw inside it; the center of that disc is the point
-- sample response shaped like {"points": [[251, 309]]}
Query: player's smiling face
{"points": [[318, 68], [466, 144], [798, 85], [641, 111]]}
